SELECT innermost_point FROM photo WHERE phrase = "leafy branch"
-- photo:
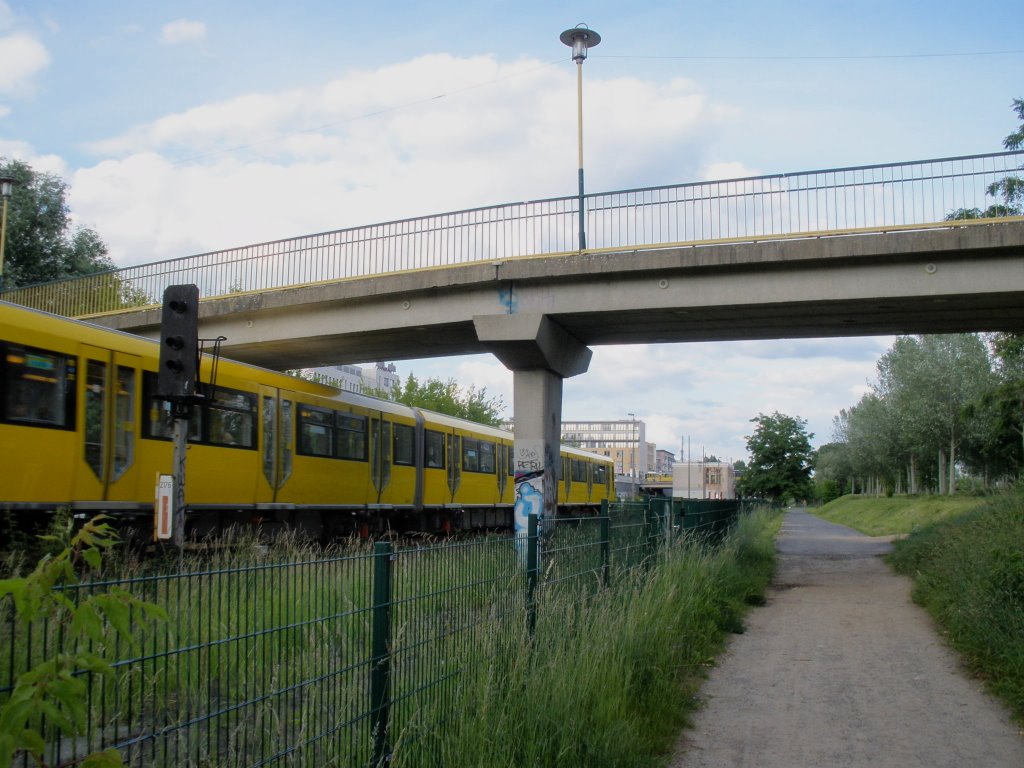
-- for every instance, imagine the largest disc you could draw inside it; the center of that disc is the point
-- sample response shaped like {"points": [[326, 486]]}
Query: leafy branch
{"points": [[55, 690]]}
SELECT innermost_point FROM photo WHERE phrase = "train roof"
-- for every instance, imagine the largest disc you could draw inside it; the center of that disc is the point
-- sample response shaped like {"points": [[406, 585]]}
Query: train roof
{"points": [[40, 321]]}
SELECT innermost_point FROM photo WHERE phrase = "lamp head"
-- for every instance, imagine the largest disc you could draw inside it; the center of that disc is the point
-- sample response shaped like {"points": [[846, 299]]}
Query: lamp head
{"points": [[580, 38], [7, 185]]}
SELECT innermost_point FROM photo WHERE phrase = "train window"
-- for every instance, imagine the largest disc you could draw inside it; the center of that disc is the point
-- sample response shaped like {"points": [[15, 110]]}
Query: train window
{"points": [[316, 431], [124, 426], [579, 471], [433, 447], [228, 418], [477, 455], [351, 435], [405, 446], [286, 442], [599, 474], [512, 460], [470, 454], [160, 421], [487, 462], [38, 388], [95, 415], [231, 418], [269, 439]]}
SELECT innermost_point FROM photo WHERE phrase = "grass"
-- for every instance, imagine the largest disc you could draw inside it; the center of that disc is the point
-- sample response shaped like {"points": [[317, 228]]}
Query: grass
{"points": [[607, 680], [884, 516], [968, 572], [268, 646]]}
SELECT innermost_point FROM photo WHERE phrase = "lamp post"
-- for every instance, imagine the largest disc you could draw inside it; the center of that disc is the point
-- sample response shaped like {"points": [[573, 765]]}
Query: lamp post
{"points": [[6, 186], [580, 38]]}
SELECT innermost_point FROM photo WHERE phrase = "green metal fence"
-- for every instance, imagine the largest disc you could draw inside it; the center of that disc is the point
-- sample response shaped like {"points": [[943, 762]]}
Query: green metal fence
{"points": [[336, 660]]}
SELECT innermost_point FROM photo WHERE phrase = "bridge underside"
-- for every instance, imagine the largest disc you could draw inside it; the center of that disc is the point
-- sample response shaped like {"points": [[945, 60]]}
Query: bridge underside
{"points": [[963, 278], [539, 316]]}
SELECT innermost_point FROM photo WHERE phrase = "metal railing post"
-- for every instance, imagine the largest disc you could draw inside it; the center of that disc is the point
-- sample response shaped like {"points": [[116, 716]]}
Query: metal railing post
{"points": [[380, 664], [532, 571], [606, 544]]}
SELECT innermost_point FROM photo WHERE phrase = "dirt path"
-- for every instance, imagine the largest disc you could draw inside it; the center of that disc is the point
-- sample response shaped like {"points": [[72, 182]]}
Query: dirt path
{"points": [[841, 669]]}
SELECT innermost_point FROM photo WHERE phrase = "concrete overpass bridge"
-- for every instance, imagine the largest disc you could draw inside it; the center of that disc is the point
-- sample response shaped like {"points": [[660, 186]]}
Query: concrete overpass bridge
{"points": [[839, 252]]}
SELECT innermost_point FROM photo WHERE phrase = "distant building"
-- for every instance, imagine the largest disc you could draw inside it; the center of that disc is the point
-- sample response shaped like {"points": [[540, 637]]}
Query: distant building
{"points": [[703, 480], [381, 377], [663, 461], [624, 442]]}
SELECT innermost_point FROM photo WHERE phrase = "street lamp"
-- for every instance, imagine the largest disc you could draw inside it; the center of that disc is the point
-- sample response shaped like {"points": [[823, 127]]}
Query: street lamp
{"points": [[6, 186], [580, 38]]}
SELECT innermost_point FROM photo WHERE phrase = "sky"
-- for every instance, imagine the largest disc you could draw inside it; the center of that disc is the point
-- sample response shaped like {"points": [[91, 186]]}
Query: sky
{"points": [[185, 127]]}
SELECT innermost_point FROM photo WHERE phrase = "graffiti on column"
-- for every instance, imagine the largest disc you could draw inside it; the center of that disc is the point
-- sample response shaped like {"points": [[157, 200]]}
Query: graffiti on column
{"points": [[529, 477]]}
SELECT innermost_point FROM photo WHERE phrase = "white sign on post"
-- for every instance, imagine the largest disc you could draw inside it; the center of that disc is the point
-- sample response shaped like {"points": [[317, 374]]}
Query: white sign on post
{"points": [[163, 524]]}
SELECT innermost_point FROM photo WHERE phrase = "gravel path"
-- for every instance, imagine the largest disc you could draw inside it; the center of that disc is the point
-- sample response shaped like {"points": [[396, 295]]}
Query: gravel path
{"points": [[841, 669]]}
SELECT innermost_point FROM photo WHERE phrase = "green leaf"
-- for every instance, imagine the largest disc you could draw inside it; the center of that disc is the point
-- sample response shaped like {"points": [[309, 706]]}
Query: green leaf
{"points": [[108, 758], [87, 621], [33, 742], [93, 558], [6, 749]]}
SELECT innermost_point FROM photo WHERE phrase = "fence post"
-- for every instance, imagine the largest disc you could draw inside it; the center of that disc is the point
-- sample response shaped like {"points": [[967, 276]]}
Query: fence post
{"points": [[532, 570], [380, 668], [606, 544], [650, 527]]}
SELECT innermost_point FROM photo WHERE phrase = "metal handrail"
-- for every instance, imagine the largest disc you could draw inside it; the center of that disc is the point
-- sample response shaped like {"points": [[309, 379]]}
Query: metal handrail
{"points": [[807, 203]]}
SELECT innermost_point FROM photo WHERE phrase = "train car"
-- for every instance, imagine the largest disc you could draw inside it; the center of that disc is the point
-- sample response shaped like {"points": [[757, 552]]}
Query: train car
{"points": [[82, 427]]}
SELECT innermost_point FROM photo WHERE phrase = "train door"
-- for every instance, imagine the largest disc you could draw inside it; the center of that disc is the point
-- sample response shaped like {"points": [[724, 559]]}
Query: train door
{"points": [[501, 468], [277, 414], [108, 389], [380, 454], [454, 464]]}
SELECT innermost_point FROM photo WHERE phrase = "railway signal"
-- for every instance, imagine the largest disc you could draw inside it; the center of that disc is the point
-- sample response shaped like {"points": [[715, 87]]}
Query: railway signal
{"points": [[179, 342]]}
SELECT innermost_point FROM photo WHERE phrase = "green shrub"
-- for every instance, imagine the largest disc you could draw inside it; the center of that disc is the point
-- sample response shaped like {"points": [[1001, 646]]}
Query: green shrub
{"points": [[968, 573]]}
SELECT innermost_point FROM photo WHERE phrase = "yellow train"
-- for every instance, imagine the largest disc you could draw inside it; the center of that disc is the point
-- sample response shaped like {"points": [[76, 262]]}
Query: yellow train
{"points": [[81, 427]]}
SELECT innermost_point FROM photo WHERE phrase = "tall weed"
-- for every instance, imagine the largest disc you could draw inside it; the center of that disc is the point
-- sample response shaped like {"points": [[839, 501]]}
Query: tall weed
{"points": [[608, 678]]}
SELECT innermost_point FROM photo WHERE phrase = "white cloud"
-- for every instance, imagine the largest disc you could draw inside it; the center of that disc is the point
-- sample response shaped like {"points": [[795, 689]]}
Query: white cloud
{"points": [[729, 170], [423, 136], [182, 31], [22, 57], [24, 151]]}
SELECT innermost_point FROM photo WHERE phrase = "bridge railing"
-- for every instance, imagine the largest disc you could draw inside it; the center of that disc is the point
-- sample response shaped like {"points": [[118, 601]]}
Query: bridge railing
{"points": [[872, 197]]}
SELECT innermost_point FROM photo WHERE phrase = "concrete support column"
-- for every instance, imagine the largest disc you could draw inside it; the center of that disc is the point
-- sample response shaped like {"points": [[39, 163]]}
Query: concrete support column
{"points": [[537, 409], [540, 353]]}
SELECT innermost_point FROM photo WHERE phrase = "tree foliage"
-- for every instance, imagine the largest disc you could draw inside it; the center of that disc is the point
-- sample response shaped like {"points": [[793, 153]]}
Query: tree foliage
{"points": [[56, 689], [780, 458], [41, 244], [941, 406], [450, 398], [1011, 188]]}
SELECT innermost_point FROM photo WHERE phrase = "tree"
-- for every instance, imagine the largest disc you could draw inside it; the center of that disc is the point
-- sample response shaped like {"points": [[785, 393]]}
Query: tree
{"points": [[448, 397], [780, 458], [41, 245], [999, 412], [1012, 187]]}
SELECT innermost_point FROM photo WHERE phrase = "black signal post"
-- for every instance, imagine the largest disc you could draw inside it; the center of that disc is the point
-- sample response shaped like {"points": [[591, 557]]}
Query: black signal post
{"points": [[179, 343], [176, 382]]}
